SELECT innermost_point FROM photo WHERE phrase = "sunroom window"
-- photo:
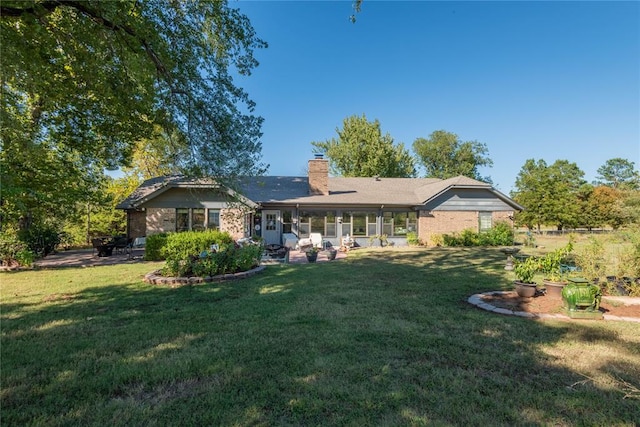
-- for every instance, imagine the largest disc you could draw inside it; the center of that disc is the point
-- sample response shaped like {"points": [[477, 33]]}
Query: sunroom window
{"points": [[399, 223], [323, 222]]}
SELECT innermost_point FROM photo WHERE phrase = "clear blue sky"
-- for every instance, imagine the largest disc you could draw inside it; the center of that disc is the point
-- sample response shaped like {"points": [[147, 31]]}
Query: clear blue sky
{"points": [[542, 80]]}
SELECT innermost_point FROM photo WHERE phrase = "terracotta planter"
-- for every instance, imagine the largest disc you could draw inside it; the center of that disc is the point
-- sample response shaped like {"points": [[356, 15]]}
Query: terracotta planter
{"points": [[554, 289], [526, 290]]}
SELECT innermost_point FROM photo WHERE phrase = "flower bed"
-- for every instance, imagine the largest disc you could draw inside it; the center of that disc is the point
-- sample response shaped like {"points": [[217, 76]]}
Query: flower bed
{"points": [[156, 278]]}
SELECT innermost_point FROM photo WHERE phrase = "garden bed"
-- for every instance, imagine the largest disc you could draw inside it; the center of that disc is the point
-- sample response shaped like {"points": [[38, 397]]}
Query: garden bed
{"points": [[156, 278], [546, 304]]}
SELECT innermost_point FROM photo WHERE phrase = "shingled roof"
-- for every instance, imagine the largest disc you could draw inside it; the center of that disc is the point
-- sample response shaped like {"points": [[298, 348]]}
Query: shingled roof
{"points": [[342, 191]]}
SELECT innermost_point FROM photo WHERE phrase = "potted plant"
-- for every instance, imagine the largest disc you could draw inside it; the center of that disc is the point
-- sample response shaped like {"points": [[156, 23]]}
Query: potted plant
{"points": [[551, 268], [331, 253], [525, 270], [312, 254]]}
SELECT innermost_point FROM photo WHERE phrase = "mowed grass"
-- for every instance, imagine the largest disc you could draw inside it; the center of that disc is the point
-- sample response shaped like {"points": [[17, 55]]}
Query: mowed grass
{"points": [[384, 337]]}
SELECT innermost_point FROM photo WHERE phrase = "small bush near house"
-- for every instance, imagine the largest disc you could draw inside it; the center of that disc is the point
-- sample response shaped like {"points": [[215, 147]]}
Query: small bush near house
{"points": [[229, 258], [189, 253], [190, 243], [437, 239], [153, 247], [501, 234], [413, 239], [466, 237]]}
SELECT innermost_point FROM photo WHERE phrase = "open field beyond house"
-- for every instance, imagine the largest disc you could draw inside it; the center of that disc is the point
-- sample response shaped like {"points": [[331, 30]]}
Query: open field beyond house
{"points": [[383, 337]]}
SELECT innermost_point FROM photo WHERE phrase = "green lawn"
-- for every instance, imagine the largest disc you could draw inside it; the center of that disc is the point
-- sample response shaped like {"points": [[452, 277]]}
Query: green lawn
{"points": [[384, 337]]}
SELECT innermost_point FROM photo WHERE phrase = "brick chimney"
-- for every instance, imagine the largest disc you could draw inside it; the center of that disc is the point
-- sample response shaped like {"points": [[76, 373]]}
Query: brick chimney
{"points": [[319, 176]]}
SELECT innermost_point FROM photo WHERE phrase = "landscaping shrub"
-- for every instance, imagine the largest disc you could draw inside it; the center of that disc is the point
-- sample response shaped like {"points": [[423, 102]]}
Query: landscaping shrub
{"points": [[25, 257], [12, 250], [41, 239], [229, 258], [153, 247], [466, 237], [413, 239], [629, 265], [501, 234], [248, 257], [437, 239], [190, 243]]}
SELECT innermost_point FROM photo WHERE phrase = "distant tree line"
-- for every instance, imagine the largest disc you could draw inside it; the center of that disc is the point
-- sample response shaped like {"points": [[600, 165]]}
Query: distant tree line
{"points": [[557, 195], [553, 195]]}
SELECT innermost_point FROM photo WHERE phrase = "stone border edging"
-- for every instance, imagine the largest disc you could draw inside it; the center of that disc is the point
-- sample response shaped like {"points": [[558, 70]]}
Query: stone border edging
{"points": [[477, 300], [155, 278]]}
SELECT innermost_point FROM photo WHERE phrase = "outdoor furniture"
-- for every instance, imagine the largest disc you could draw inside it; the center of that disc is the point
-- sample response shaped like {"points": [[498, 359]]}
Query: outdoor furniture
{"points": [[276, 253], [103, 246], [316, 240], [313, 241], [122, 244], [290, 240], [139, 242], [346, 243]]}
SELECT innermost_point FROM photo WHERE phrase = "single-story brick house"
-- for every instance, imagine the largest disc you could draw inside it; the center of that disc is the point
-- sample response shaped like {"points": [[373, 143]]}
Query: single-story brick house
{"points": [[273, 206]]}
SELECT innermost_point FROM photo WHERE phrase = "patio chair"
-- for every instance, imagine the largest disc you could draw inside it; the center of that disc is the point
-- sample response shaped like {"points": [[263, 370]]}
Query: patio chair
{"points": [[122, 244], [103, 248], [96, 243], [316, 240]]}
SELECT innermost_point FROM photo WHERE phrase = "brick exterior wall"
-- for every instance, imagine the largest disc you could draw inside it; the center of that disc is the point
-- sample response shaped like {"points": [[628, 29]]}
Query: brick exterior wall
{"points": [[447, 222], [503, 216], [160, 220], [137, 224], [232, 221]]}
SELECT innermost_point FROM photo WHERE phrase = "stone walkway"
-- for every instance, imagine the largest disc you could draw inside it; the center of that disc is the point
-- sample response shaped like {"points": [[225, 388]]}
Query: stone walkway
{"points": [[480, 303]]}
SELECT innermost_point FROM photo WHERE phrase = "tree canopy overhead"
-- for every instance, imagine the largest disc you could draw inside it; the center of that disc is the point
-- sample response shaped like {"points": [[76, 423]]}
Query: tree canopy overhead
{"points": [[444, 155], [85, 80], [362, 150]]}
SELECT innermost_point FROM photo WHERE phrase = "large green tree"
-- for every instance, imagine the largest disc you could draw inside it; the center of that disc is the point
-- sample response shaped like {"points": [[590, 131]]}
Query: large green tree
{"points": [[444, 155], [83, 81], [362, 150], [549, 193], [620, 174], [602, 206], [158, 154]]}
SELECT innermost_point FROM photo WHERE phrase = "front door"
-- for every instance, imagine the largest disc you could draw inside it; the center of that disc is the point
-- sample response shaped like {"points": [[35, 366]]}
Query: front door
{"points": [[271, 227]]}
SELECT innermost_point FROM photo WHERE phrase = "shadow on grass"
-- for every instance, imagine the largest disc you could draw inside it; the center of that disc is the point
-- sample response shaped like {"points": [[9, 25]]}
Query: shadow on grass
{"points": [[384, 337]]}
